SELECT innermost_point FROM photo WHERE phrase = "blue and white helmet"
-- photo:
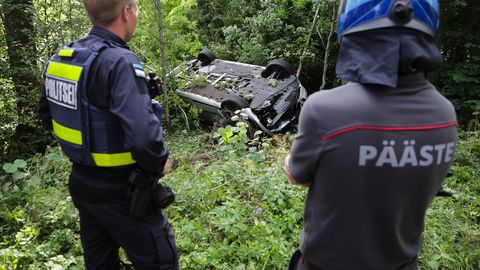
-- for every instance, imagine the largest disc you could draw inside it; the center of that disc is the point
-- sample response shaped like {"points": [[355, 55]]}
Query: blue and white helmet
{"points": [[363, 15]]}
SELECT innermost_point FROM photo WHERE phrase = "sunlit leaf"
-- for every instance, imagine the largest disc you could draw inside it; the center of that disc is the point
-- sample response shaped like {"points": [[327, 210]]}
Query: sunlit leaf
{"points": [[20, 163], [10, 168], [34, 181], [18, 175], [433, 264]]}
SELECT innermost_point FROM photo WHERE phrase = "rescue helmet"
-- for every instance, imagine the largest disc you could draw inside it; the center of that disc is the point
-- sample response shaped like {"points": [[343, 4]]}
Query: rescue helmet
{"points": [[363, 15]]}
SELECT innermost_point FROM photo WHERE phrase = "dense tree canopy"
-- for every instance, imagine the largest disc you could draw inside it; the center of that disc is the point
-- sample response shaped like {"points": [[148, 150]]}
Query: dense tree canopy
{"points": [[255, 31]]}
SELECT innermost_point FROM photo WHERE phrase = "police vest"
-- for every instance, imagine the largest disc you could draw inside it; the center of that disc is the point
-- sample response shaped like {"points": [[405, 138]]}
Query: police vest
{"points": [[87, 135]]}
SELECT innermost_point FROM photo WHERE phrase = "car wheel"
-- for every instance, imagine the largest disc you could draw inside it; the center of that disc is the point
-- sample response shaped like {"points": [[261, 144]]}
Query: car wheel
{"points": [[231, 104], [206, 57], [281, 68]]}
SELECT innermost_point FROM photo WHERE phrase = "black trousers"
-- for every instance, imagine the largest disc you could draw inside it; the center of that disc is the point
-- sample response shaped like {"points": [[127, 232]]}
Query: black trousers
{"points": [[106, 225], [298, 262]]}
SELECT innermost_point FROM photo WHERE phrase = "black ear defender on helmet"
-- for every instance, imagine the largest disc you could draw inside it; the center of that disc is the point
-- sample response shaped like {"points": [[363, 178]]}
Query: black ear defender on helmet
{"points": [[401, 12]]}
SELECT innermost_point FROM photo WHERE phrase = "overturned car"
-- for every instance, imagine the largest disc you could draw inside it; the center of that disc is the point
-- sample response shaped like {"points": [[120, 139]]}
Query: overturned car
{"points": [[269, 98]]}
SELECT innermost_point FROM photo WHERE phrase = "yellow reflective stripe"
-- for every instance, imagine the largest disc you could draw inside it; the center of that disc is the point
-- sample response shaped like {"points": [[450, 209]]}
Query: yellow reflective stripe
{"points": [[64, 71], [113, 160], [66, 52], [67, 134]]}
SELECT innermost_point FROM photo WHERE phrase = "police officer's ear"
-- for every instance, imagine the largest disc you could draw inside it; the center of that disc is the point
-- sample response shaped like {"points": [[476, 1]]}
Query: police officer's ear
{"points": [[126, 13]]}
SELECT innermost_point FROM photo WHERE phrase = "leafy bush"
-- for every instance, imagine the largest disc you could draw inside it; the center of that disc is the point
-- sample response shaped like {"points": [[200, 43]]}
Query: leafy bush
{"points": [[234, 211], [234, 208], [261, 31], [233, 138], [460, 45], [39, 224], [8, 115], [452, 235], [461, 84]]}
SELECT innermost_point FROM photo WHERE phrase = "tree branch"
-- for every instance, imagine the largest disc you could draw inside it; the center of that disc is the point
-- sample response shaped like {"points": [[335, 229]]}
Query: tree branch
{"points": [[163, 56], [327, 48], [308, 41]]}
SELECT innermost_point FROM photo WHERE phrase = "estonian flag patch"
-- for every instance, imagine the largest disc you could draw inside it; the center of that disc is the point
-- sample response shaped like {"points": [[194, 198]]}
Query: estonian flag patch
{"points": [[139, 72]]}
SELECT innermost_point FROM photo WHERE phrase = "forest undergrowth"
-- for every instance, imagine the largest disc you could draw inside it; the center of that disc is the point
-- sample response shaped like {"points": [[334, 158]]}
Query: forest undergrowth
{"points": [[234, 207]]}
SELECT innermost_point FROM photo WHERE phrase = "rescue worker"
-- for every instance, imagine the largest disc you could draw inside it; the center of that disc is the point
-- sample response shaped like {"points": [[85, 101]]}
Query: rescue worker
{"points": [[95, 99], [374, 151]]}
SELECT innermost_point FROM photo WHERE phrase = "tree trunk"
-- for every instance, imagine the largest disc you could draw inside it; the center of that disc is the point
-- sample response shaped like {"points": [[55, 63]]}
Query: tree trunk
{"points": [[314, 23], [327, 47], [163, 57], [17, 16]]}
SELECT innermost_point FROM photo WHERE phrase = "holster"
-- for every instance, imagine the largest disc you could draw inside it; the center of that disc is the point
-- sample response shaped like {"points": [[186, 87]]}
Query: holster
{"points": [[144, 186], [147, 195]]}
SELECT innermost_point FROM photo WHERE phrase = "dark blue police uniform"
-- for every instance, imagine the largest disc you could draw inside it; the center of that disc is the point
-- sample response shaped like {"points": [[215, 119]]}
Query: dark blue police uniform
{"points": [[102, 116]]}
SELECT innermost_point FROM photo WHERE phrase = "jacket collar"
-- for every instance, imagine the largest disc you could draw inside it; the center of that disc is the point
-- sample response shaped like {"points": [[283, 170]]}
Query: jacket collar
{"points": [[108, 36]]}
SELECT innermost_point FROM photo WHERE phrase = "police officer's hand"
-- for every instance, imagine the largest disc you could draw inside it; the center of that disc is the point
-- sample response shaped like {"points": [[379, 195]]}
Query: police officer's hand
{"points": [[166, 168]]}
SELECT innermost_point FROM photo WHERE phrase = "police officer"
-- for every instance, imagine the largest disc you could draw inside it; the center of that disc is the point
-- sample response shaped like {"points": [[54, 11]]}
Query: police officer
{"points": [[375, 151], [96, 102]]}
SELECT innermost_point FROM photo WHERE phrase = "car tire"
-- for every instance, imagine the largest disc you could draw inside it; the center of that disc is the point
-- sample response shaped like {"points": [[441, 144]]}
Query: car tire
{"points": [[231, 104], [279, 66], [206, 57]]}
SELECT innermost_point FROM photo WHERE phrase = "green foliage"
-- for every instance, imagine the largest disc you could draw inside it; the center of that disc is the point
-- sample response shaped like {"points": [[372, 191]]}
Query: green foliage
{"points": [[199, 81], [273, 82], [15, 172], [452, 234], [39, 224], [461, 84], [264, 30], [58, 22], [234, 209], [20, 68], [177, 107], [233, 138], [229, 205], [248, 31], [182, 41], [39, 28], [181, 44], [8, 116], [460, 44]]}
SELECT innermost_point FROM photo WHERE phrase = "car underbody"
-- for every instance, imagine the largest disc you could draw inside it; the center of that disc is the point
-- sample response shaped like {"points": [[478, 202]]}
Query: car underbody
{"points": [[269, 99]]}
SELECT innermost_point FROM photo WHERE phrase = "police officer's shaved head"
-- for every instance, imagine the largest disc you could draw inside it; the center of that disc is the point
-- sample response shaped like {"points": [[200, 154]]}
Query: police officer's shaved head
{"points": [[104, 12]]}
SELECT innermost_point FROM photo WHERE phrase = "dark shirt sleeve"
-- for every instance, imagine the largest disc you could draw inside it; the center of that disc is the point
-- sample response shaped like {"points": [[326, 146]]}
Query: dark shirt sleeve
{"points": [[131, 104], [307, 146], [44, 110]]}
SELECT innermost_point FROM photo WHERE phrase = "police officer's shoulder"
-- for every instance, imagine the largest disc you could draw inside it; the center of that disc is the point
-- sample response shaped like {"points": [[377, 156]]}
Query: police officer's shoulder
{"points": [[124, 59], [115, 54]]}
